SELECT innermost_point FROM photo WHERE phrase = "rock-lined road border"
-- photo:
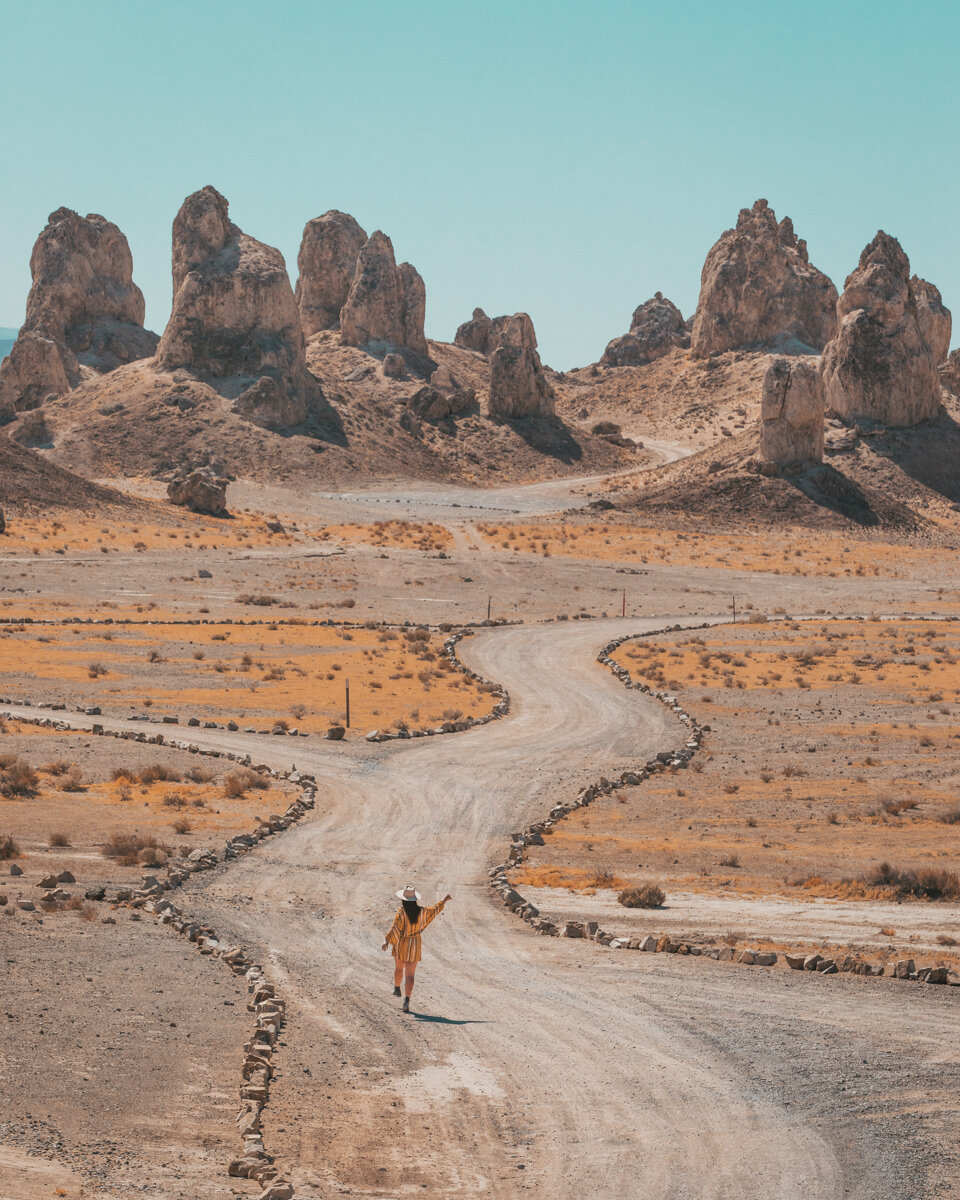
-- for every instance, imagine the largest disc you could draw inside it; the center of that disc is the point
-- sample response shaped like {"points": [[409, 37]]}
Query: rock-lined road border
{"points": [[532, 835]]}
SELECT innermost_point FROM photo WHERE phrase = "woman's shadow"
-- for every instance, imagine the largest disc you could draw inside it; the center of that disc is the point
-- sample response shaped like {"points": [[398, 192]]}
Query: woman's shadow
{"points": [[435, 1020]]}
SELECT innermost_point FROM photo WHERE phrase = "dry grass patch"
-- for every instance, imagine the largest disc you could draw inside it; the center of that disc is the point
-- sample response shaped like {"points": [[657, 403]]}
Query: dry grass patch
{"points": [[260, 675], [790, 552]]}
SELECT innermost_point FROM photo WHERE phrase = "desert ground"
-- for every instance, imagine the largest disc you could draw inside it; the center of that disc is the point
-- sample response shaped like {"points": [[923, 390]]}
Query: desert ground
{"points": [[832, 748]]}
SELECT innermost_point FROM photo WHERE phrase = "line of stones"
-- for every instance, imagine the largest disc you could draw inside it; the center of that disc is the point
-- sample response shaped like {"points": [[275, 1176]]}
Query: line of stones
{"points": [[500, 709], [263, 998], [672, 760]]}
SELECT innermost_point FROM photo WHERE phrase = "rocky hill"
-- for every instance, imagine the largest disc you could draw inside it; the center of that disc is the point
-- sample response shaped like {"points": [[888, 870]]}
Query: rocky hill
{"points": [[29, 483]]}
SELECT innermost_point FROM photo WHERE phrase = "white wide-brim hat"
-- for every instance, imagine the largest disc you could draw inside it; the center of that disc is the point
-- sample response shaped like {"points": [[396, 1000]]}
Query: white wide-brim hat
{"points": [[409, 893]]}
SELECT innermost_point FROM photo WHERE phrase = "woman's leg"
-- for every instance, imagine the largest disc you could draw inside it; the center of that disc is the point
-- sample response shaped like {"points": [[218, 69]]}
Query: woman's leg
{"points": [[409, 971], [397, 972]]}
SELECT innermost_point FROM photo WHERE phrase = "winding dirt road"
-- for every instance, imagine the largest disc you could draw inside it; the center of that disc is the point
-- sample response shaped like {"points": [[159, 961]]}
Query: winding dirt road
{"points": [[545, 1067]]}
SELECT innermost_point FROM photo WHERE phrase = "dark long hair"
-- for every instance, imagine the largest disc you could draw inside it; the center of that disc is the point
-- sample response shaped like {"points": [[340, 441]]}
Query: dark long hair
{"points": [[412, 909]]}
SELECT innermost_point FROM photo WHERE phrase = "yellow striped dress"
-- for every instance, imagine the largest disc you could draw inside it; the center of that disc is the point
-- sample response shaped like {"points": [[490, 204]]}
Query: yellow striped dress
{"points": [[404, 937]]}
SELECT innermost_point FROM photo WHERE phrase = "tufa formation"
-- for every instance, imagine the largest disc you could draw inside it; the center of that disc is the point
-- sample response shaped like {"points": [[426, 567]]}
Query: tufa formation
{"points": [[893, 334], [327, 263], [234, 320], [791, 413], [758, 289], [657, 328], [518, 386], [84, 312], [385, 305]]}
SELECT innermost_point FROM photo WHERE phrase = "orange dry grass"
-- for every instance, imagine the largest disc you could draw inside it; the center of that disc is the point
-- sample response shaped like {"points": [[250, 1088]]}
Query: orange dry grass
{"points": [[794, 552], [911, 658], [406, 535], [257, 675], [177, 530], [90, 816]]}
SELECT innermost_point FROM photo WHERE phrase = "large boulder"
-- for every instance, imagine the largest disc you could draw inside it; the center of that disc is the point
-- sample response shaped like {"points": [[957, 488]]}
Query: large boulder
{"points": [[386, 303], [791, 412], [234, 320], [83, 311], [759, 289], [893, 334], [657, 328], [202, 490], [327, 263], [518, 386]]}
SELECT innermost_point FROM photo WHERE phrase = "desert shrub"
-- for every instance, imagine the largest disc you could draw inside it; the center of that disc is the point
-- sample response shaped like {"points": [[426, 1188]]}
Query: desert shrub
{"points": [[182, 825], [96, 669], [154, 656], [951, 816], [946, 939], [732, 860], [929, 883], [200, 774], [58, 839], [8, 847], [59, 766], [603, 877], [159, 773], [647, 895], [896, 807], [237, 783], [299, 711], [262, 601], [132, 848], [71, 780], [18, 779], [174, 800]]}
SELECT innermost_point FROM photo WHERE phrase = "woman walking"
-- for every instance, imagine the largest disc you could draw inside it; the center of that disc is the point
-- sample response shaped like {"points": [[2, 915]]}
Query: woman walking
{"points": [[404, 936]]}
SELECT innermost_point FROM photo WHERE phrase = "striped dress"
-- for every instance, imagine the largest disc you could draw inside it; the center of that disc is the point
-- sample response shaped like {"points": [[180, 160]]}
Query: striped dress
{"points": [[405, 937]]}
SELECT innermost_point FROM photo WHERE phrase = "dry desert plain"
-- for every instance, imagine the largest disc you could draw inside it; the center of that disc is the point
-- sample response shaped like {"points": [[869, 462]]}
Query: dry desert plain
{"points": [[531, 1065]]}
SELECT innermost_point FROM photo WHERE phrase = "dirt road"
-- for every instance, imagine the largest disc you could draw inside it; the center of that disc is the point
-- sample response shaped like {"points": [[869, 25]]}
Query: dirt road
{"points": [[552, 1068]]}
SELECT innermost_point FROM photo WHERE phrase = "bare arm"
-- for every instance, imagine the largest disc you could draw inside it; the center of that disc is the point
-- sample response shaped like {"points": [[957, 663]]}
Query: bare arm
{"points": [[393, 933]]}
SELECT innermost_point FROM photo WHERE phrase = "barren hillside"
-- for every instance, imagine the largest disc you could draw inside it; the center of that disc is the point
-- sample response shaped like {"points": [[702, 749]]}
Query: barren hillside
{"points": [[139, 420]]}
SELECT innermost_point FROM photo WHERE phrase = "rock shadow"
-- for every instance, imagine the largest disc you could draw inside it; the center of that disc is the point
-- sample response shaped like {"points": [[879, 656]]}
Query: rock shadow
{"points": [[826, 487], [928, 453], [547, 435]]}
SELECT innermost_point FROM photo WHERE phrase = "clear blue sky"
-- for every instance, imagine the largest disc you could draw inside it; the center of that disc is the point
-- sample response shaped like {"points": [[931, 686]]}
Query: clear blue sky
{"points": [[562, 157]]}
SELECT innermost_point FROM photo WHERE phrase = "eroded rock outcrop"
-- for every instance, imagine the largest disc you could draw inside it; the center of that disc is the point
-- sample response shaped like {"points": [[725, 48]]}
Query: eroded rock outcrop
{"points": [[202, 490], [657, 327], [759, 289], [475, 334], [950, 373], [386, 303], [792, 413], [83, 311], [518, 386], [234, 321], [327, 263], [893, 334]]}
